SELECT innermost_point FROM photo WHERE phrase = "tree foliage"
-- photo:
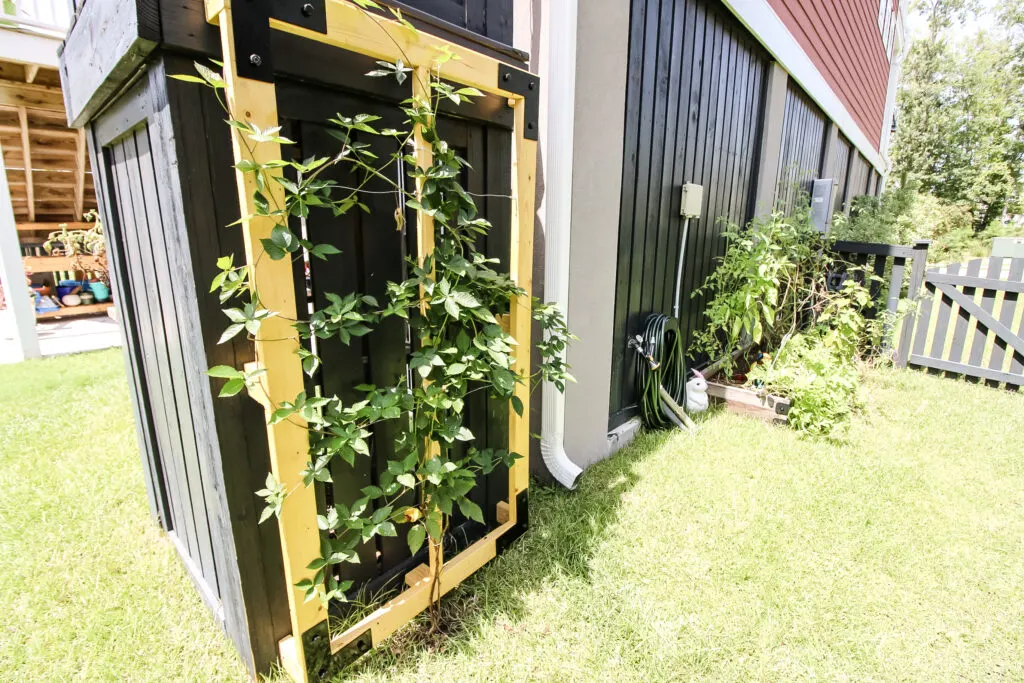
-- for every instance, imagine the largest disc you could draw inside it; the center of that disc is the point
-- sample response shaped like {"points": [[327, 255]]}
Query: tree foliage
{"points": [[960, 135]]}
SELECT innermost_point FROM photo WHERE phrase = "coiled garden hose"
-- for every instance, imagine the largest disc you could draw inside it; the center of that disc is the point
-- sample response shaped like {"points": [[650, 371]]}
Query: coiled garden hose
{"points": [[661, 372]]}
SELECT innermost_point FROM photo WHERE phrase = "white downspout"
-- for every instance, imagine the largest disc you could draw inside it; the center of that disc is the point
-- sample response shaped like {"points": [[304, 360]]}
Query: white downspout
{"points": [[560, 27]]}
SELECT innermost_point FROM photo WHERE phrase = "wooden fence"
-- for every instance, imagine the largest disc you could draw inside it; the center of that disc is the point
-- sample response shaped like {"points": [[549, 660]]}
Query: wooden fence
{"points": [[891, 260], [978, 322]]}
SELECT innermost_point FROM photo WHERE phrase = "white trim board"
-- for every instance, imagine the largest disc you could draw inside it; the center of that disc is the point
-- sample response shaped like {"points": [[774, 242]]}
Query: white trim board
{"points": [[762, 21], [23, 47]]}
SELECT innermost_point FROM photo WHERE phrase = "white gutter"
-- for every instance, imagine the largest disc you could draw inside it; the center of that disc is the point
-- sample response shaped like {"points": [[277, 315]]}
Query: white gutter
{"points": [[560, 25]]}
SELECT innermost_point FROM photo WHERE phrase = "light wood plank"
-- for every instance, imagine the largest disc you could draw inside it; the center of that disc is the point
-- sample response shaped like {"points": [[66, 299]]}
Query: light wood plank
{"points": [[276, 345], [53, 264], [80, 173], [524, 169], [14, 94]]}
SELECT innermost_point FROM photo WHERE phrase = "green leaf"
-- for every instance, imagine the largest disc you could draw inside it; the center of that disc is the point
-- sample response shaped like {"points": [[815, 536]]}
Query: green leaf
{"points": [[232, 387], [223, 371], [188, 79], [471, 510], [417, 534], [267, 513], [517, 405], [230, 332], [322, 251], [465, 299], [406, 480]]}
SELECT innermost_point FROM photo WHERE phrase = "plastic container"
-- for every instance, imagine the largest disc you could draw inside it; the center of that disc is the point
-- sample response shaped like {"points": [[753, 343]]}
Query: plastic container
{"points": [[65, 287], [100, 290]]}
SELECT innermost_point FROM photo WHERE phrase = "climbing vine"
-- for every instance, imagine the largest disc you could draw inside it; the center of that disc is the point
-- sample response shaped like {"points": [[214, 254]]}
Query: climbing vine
{"points": [[454, 301]]}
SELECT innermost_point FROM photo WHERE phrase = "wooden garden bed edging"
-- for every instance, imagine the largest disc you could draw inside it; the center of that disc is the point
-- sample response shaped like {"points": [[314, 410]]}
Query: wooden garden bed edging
{"points": [[745, 401]]}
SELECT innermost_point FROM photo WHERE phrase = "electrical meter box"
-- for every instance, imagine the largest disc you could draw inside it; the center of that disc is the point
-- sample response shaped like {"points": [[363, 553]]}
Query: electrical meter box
{"points": [[693, 197], [821, 203]]}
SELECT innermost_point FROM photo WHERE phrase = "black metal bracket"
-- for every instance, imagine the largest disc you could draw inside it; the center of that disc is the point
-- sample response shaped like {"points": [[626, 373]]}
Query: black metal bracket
{"points": [[250, 22], [528, 85], [521, 525]]}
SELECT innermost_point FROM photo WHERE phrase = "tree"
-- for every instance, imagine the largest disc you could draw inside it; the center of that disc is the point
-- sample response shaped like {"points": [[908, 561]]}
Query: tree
{"points": [[960, 134]]}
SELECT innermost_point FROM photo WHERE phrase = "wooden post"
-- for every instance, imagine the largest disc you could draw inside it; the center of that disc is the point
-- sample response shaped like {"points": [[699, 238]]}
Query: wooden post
{"points": [[917, 269], [524, 169], [12, 274], [255, 102], [80, 163], [26, 157]]}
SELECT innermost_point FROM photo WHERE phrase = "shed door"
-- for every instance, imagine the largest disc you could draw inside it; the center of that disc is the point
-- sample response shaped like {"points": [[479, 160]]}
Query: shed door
{"points": [[375, 249]]}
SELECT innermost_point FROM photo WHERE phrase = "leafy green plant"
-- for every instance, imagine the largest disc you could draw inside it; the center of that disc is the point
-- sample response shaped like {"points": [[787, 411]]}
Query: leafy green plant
{"points": [[817, 369], [772, 289], [454, 302], [770, 275]]}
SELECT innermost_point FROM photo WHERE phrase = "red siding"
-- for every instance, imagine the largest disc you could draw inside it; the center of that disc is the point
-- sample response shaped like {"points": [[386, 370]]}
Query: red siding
{"points": [[842, 39]]}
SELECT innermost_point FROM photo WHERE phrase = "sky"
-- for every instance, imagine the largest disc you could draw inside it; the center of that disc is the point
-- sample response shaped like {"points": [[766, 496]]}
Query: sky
{"points": [[985, 19]]}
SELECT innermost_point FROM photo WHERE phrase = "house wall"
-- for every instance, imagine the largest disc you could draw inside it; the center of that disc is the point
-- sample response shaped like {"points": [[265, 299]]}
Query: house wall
{"points": [[844, 40], [731, 94], [693, 112], [804, 133]]}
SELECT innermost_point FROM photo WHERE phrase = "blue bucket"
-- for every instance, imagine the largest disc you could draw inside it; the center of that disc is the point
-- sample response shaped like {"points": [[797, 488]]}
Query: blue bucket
{"points": [[65, 287]]}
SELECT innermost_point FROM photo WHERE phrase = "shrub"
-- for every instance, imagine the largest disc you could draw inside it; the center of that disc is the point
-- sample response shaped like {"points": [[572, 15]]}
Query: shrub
{"points": [[771, 288]]}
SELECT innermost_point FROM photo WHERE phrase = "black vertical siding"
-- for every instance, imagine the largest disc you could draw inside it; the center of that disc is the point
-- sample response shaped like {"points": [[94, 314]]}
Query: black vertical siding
{"points": [[841, 172], [803, 148], [694, 98], [204, 458], [490, 18], [860, 176]]}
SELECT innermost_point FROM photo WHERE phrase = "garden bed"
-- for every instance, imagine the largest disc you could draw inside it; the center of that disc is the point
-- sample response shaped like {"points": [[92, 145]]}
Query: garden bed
{"points": [[744, 400]]}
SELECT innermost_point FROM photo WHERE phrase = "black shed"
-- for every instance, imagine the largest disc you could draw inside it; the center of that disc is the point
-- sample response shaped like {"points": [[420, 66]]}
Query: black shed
{"points": [[163, 169]]}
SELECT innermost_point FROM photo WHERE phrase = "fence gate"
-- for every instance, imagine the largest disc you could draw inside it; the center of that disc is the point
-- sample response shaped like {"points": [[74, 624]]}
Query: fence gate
{"points": [[977, 327], [888, 260]]}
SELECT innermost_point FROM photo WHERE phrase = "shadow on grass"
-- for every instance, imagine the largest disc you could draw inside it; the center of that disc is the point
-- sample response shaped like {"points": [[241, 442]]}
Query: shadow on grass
{"points": [[566, 528]]}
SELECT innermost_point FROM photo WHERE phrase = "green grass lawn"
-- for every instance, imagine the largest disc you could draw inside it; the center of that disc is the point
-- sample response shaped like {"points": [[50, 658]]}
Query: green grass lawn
{"points": [[746, 552]]}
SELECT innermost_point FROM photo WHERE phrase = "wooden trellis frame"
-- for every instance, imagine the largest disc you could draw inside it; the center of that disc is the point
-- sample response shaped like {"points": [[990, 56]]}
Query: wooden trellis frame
{"points": [[310, 650]]}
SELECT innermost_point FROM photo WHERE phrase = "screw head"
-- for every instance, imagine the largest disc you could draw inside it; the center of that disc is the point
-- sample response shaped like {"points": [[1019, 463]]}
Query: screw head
{"points": [[307, 9], [530, 85], [255, 59], [506, 76], [529, 126]]}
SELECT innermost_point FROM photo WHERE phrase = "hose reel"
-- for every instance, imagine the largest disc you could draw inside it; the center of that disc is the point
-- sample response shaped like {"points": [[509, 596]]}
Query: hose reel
{"points": [[661, 354]]}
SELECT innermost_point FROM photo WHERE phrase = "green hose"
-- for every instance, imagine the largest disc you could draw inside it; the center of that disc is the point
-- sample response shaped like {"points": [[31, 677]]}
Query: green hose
{"points": [[660, 362]]}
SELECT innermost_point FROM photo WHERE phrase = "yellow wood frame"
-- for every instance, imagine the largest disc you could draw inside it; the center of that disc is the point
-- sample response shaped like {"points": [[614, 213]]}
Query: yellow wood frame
{"points": [[351, 28]]}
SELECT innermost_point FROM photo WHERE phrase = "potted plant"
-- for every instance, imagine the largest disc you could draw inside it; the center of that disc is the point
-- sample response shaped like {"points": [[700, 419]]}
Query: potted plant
{"points": [[82, 243]]}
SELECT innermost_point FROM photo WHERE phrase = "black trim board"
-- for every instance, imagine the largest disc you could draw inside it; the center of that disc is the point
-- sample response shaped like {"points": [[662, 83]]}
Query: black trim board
{"points": [[108, 45]]}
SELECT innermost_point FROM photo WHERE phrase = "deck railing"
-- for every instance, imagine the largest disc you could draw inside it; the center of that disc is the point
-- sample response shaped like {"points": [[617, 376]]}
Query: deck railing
{"points": [[49, 16]]}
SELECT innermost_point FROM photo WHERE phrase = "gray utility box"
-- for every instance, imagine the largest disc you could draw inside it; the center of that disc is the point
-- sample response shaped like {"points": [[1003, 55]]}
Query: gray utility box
{"points": [[1008, 247], [821, 203]]}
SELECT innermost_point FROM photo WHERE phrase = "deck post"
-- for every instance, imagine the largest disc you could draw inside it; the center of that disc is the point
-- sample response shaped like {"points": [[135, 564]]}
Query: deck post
{"points": [[12, 275]]}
